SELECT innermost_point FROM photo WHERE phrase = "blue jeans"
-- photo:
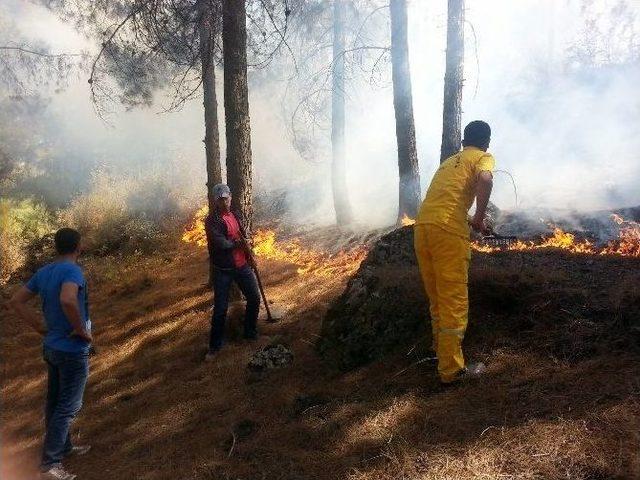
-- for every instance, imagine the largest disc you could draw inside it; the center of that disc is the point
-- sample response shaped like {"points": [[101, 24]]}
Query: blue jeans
{"points": [[246, 281], [68, 374]]}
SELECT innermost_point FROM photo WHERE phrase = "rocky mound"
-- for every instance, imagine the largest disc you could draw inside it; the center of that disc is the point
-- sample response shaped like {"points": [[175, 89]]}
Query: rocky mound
{"points": [[570, 306]]}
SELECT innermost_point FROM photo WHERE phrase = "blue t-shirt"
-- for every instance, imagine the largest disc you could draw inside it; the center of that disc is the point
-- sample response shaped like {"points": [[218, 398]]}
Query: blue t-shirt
{"points": [[47, 282]]}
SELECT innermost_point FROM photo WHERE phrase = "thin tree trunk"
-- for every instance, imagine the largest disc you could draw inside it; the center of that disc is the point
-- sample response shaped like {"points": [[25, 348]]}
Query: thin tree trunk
{"points": [[211, 138], [338, 147], [236, 106], [453, 78], [409, 191]]}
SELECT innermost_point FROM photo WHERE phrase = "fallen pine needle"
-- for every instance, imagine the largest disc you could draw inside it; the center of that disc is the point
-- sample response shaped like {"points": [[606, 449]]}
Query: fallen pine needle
{"points": [[425, 359], [233, 444]]}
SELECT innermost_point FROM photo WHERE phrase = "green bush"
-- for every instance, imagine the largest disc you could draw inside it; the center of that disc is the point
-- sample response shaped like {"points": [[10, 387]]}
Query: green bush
{"points": [[22, 223]]}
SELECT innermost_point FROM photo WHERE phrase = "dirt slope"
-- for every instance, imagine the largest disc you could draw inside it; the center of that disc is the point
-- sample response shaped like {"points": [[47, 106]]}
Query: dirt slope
{"points": [[153, 410]]}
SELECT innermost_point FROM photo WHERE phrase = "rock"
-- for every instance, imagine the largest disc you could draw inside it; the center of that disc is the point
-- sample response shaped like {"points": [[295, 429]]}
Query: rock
{"points": [[270, 357]]}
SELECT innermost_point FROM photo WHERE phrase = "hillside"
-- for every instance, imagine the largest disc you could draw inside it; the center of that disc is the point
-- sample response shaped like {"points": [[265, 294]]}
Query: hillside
{"points": [[154, 410]]}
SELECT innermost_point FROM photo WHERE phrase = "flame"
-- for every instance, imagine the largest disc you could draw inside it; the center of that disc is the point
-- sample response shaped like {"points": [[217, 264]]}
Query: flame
{"points": [[479, 247], [266, 245], [194, 233], [346, 262], [308, 260], [627, 244], [407, 220], [560, 239]]}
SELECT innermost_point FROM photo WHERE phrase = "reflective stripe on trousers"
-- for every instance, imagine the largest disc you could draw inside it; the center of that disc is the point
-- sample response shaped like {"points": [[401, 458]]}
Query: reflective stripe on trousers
{"points": [[458, 332], [443, 259]]}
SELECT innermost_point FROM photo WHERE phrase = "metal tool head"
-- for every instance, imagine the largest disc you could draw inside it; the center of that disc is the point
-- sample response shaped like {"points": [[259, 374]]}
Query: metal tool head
{"points": [[496, 240]]}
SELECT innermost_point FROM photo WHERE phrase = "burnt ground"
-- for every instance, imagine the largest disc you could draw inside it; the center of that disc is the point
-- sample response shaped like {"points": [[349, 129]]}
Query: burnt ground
{"points": [[560, 400]]}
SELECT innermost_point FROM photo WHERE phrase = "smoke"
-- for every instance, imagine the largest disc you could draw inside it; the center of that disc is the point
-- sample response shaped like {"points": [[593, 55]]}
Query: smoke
{"points": [[557, 84], [562, 101], [556, 81]]}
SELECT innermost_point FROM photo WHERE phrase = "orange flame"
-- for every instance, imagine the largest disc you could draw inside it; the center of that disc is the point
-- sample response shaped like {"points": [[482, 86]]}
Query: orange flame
{"points": [[195, 233], [561, 240], [308, 260], [406, 220], [347, 262], [267, 246], [627, 244]]}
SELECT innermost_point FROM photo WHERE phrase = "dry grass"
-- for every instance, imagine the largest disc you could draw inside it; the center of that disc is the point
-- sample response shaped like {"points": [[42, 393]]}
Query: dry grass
{"points": [[153, 410]]}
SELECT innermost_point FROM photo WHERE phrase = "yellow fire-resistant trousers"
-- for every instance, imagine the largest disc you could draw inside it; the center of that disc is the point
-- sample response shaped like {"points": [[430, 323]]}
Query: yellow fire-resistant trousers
{"points": [[443, 259]]}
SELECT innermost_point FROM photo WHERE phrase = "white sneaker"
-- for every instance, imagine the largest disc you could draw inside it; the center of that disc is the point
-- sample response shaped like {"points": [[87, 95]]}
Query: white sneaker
{"points": [[57, 473]]}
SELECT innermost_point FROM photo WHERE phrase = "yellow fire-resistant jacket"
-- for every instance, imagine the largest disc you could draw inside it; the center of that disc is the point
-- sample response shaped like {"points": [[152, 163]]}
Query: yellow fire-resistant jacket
{"points": [[452, 191]]}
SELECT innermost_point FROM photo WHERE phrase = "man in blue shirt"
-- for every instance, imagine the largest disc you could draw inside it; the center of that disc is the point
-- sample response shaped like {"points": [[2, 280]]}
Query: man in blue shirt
{"points": [[67, 338]]}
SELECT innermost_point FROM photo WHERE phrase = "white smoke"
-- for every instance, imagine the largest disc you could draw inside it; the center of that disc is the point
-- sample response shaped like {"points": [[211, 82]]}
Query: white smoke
{"points": [[565, 130]]}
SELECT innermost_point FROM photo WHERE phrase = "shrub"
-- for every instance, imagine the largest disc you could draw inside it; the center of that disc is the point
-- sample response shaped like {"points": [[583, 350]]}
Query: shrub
{"points": [[117, 215], [22, 224], [153, 198], [122, 215], [141, 235], [99, 214]]}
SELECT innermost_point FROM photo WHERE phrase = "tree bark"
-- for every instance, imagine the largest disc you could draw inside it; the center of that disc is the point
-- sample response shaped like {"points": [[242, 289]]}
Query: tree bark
{"points": [[212, 136], [338, 146], [236, 106], [409, 188], [453, 78]]}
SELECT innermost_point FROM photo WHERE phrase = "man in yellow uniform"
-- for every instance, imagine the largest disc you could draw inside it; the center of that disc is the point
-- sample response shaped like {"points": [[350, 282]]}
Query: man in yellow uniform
{"points": [[441, 241]]}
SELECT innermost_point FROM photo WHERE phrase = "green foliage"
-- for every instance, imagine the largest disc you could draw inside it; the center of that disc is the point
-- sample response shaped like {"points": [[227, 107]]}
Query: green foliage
{"points": [[21, 224]]}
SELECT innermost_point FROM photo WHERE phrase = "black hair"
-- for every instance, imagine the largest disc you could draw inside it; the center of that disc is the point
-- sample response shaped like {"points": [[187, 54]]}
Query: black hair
{"points": [[477, 134], [67, 241]]}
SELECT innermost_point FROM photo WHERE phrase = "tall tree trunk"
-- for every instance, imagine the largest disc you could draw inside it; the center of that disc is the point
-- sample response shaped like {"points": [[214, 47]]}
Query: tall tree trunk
{"points": [[211, 138], [338, 167], [236, 107], [409, 191], [453, 78]]}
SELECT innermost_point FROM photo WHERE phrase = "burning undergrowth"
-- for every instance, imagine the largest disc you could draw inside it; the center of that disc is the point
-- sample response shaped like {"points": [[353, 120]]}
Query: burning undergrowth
{"points": [[334, 252], [538, 296], [627, 243], [578, 287], [618, 236], [325, 252]]}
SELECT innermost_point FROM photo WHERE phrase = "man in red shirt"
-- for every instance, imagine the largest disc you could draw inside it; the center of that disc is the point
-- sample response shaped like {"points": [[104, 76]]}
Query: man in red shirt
{"points": [[231, 264]]}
